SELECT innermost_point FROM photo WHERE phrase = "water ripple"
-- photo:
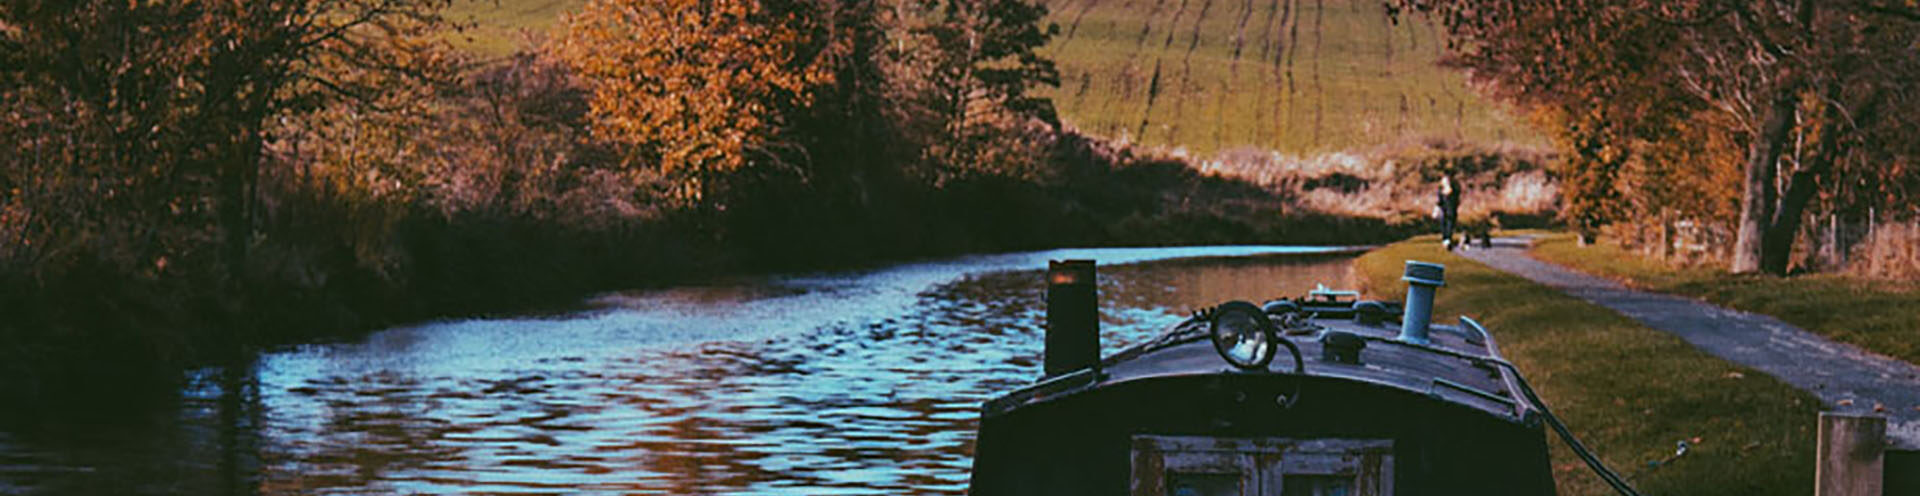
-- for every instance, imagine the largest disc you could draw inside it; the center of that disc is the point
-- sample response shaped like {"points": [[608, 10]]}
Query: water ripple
{"points": [[860, 383]]}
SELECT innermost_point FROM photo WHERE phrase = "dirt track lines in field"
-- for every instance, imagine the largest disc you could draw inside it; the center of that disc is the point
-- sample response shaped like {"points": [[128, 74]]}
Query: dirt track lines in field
{"points": [[1140, 50], [1263, 127], [1240, 35], [1319, 54], [1266, 33], [1146, 25], [1174, 26], [1386, 38], [1075, 27], [1293, 45], [1366, 84], [1080, 96], [1153, 93], [1282, 86], [1180, 96], [1198, 22]]}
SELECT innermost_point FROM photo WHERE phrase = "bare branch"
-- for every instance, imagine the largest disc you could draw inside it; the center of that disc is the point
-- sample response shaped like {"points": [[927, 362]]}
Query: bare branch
{"points": [[1758, 30]]}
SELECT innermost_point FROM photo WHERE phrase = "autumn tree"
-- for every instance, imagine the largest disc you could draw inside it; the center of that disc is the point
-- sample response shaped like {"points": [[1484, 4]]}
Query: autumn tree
{"points": [[1591, 176], [697, 88], [143, 126], [1798, 87]]}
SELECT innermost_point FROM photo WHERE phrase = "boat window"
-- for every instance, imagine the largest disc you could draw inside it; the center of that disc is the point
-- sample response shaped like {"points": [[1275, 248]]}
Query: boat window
{"points": [[1179, 484], [1210, 466], [1318, 485]]}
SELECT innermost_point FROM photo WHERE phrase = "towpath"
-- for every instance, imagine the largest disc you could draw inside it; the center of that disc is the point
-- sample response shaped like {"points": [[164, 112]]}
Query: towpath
{"points": [[1845, 377]]}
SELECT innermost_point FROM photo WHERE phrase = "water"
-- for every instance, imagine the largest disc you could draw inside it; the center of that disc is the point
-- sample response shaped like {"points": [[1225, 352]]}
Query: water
{"points": [[865, 382]]}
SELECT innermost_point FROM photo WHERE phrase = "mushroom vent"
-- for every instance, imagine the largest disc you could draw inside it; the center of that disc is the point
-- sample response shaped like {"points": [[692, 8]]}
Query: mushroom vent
{"points": [[1422, 278], [1371, 312], [1426, 273], [1341, 347]]}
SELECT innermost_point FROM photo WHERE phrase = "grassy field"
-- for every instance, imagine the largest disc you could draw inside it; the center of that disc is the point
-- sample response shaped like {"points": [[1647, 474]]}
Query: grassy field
{"points": [[1295, 76], [1628, 391], [501, 25], [1872, 314]]}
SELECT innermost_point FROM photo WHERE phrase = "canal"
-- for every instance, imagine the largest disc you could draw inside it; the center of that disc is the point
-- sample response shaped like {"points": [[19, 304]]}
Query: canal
{"points": [[852, 382]]}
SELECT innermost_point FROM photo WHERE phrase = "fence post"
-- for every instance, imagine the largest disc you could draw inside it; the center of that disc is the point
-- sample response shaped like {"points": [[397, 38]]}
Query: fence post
{"points": [[1836, 256], [1666, 235], [1873, 219], [1852, 449], [1873, 223]]}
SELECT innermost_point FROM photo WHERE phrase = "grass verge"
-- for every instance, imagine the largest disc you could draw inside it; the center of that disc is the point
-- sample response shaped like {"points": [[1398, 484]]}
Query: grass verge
{"points": [[1628, 391], [1872, 314]]}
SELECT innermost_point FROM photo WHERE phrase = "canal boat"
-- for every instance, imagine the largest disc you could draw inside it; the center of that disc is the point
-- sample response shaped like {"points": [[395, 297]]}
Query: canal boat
{"points": [[1322, 394]]}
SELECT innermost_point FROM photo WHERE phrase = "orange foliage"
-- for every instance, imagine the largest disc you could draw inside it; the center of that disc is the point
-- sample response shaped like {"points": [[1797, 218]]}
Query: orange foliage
{"points": [[694, 86]]}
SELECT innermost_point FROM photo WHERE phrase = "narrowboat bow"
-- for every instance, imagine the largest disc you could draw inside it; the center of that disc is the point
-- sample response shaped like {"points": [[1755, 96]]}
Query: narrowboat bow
{"points": [[1324, 394]]}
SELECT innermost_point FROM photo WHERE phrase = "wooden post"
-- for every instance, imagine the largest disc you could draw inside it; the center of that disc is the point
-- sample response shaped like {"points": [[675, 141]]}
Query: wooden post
{"points": [[1836, 256], [1666, 235], [1852, 449]]}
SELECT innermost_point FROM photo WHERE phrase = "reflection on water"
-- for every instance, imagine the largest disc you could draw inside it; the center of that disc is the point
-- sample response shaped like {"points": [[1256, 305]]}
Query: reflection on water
{"points": [[845, 383]]}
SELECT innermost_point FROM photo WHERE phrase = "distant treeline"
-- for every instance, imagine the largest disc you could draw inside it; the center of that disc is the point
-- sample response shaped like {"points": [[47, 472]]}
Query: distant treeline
{"points": [[187, 180]]}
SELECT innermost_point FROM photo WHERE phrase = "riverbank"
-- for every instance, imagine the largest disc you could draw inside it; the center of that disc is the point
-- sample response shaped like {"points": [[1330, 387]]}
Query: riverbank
{"points": [[1872, 314], [302, 286], [1628, 391]]}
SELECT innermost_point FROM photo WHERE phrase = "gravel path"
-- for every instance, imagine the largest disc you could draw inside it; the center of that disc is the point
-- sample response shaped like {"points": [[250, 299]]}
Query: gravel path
{"points": [[1845, 377]]}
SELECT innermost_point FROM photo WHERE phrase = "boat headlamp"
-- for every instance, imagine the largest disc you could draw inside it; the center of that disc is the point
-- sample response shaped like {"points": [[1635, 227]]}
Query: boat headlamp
{"points": [[1243, 335]]}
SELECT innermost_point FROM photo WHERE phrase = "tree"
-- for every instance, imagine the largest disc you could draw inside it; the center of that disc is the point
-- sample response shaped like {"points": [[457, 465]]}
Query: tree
{"points": [[1591, 174], [143, 125], [697, 87], [1800, 83], [963, 71]]}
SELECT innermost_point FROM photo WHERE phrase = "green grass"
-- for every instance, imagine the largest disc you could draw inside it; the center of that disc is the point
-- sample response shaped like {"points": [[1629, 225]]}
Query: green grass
{"points": [[1628, 391], [1871, 314], [1310, 76], [499, 24]]}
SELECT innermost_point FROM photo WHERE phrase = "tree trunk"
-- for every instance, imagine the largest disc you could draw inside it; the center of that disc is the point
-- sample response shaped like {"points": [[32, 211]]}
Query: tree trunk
{"points": [[235, 203], [1757, 201], [1776, 245], [1776, 248]]}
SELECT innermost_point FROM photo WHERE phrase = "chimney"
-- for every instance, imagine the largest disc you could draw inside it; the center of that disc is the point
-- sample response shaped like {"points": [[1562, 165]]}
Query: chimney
{"points": [[1073, 317]]}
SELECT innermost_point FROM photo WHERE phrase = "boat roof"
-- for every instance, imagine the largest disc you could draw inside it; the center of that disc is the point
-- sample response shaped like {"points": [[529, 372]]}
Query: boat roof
{"points": [[1458, 365]]}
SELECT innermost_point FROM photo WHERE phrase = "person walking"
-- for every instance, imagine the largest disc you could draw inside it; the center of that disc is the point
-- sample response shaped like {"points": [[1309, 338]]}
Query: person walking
{"points": [[1448, 206]]}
